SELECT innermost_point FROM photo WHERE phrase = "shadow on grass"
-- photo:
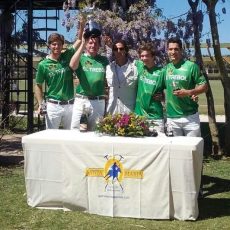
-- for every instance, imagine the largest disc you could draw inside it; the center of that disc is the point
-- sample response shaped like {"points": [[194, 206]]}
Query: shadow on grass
{"points": [[11, 145], [214, 207], [213, 185]]}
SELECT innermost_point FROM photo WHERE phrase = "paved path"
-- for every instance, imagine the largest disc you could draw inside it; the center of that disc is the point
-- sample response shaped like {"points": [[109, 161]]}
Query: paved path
{"points": [[219, 118]]}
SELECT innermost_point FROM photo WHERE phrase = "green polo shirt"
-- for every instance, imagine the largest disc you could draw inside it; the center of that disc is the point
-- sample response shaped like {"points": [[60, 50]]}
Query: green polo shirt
{"points": [[150, 81], [57, 75], [183, 75], [91, 74]]}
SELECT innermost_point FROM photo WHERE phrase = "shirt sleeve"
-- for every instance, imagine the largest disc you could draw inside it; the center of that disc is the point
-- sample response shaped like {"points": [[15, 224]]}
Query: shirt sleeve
{"points": [[198, 76], [68, 53], [40, 75]]}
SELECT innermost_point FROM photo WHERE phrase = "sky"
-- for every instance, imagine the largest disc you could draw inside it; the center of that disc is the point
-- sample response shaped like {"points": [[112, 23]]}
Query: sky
{"points": [[175, 9]]}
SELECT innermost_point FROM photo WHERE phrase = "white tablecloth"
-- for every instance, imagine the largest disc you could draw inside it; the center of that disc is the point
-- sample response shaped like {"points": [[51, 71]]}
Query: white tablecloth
{"points": [[154, 178]]}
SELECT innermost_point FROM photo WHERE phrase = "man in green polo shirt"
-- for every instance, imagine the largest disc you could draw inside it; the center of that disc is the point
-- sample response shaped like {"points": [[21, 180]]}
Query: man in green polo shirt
{"points": [[54, 71], [183, 81], [150, 87], [90, 93]]}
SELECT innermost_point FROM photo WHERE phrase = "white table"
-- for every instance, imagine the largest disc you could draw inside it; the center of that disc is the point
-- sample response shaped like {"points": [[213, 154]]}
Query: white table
{"points": [[154, 178]]}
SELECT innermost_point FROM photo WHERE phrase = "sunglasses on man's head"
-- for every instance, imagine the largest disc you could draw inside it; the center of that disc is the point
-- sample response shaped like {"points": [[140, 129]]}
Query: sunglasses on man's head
{"points": [[116, 49]]}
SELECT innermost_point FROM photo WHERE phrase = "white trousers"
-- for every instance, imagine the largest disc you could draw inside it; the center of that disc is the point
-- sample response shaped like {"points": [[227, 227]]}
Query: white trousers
{"points": [[159, 126], [185, 126], [57, 114], [94, 108]]}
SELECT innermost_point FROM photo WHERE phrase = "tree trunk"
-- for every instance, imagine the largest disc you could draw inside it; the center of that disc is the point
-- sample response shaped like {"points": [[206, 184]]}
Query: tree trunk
{"points": [[216, 150], [225, 80]]}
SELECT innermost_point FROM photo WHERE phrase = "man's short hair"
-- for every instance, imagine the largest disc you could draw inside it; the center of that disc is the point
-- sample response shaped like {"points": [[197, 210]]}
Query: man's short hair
{"points": [[175, 40], [56, 37], [147, 47], [98, 38]]}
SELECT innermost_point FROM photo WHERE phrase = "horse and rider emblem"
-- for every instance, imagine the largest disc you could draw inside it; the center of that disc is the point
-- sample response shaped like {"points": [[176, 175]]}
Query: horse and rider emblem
{"points": [[114, 171]]}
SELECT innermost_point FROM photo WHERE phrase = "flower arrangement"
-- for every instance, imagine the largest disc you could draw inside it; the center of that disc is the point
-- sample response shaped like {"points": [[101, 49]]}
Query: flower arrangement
{"points": [[127, 125]]}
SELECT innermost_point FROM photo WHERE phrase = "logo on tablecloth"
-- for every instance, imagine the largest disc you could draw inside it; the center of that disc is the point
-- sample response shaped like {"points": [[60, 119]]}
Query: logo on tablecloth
{"points": [[114, 172]]}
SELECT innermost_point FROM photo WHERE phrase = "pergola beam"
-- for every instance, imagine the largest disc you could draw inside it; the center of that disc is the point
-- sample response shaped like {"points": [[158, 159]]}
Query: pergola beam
{"points": [[37, 4]]}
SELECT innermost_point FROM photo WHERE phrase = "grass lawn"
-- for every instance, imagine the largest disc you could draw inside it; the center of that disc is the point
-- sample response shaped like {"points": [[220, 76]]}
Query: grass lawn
{"points": [[16, 214], [218, 95]]}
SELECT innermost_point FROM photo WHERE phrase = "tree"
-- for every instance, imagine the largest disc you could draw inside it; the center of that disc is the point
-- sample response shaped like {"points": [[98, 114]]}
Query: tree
{"points": [[210, 102], [225, 80], [128, 25], [111, 5]]}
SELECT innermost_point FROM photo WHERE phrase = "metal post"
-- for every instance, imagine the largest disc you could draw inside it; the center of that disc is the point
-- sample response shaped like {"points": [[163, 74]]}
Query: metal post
{"points": [[30, 96]]}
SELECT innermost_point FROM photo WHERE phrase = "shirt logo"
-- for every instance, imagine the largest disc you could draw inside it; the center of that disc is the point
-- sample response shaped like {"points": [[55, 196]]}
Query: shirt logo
{"points": [[176, 77], [147, 81], [88, 64], [52, 67], [170, 71]]}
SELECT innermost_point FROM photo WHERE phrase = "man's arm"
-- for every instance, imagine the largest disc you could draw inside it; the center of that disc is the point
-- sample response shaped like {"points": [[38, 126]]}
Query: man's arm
{"points": [[191, 92], [78, 41], [39, 96], [74, 62]]}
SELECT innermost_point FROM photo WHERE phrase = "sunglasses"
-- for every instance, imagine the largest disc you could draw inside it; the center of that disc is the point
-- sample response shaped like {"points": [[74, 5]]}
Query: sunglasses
{"points": [[116, 49]]}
